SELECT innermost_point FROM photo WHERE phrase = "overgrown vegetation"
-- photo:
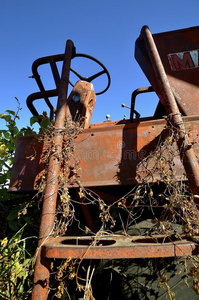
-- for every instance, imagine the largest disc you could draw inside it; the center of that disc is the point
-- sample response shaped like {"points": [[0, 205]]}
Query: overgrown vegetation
{"points": [[7, 146], [16, 230], [165, 204]]}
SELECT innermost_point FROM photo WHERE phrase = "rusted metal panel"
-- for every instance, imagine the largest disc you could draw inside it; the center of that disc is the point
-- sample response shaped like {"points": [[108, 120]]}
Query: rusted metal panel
{"points": [[28, 165], [178, 51], [167, 98], [118, 247], [109, 153]]}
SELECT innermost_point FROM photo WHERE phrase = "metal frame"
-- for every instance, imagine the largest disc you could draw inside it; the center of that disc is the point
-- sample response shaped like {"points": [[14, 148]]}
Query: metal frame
{"points": [[52, 60], [109, 247]]}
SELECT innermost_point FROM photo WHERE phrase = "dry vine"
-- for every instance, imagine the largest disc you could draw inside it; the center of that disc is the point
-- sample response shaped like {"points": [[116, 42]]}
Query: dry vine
{"points": [[173, 211]]}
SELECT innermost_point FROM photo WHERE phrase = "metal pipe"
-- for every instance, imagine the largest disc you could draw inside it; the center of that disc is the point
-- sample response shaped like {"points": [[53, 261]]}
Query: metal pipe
{"points": [[166, 96], [138, 91], [40, 95], [41, 275]]}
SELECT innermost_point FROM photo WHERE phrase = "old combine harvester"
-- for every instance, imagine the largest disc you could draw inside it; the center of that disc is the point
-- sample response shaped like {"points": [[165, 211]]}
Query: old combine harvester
{"points": [[116, 156]]}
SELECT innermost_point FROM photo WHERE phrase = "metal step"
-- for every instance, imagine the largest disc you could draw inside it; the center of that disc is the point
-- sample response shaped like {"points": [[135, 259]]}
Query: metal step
{"points": [[117, 247]]}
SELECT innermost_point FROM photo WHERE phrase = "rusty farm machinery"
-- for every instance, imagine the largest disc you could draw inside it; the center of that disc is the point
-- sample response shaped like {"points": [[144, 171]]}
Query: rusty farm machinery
{"points": [[107, 160]]}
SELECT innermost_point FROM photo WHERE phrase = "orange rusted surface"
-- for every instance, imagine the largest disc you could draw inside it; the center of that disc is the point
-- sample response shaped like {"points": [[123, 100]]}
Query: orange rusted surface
{"points": [[168, 99], [109, 153], [178, 51], [81, 102], [118, 247], [27, 161]]}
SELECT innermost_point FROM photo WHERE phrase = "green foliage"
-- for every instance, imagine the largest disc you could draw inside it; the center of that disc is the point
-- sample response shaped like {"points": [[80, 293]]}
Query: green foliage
{"points": [[14, 268], [7, 147], [15, 259], [17, 246], [43, 120]]}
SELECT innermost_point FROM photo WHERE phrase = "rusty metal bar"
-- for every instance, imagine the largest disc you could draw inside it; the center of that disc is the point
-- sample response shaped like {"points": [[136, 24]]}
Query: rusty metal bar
{"points": [[41, 275], [118, 247], [38, 62], [41, 95], [138, 91], [55, 72], [166, 96]]}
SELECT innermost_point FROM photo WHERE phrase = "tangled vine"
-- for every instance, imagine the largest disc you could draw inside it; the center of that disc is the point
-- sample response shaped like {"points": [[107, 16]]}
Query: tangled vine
{"points": [[160, 198]]}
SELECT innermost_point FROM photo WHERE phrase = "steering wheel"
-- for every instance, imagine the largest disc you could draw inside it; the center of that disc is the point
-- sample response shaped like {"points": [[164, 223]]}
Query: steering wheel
{"points": [[53, 59], [91, 78]]}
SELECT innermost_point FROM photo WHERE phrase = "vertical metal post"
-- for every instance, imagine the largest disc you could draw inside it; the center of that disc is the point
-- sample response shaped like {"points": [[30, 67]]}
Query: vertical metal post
{"points": [[41, 273], [187, 153]]}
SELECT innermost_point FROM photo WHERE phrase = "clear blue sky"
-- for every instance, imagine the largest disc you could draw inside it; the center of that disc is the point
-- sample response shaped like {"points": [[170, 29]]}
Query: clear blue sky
{"points": [[106, 29]]}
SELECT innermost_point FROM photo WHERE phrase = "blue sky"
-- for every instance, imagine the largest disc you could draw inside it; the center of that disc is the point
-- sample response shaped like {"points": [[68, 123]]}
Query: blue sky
{"points": [[106, 29]]}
